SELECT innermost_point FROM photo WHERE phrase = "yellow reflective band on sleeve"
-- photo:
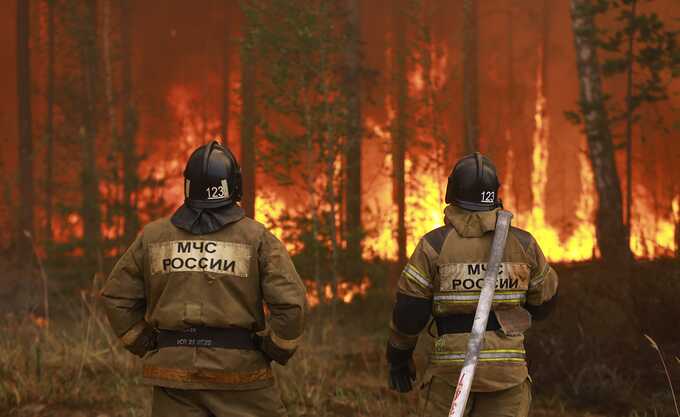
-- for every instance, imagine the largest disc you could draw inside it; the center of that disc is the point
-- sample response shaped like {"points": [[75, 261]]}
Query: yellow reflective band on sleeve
{"points": [[412, 273], [516, 356]]}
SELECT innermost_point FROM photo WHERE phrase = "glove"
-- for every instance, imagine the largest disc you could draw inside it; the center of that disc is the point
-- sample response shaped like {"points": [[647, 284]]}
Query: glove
{"points": [[402, 369], [145, 342], [257, 341], [401, 376], [270, 350]]}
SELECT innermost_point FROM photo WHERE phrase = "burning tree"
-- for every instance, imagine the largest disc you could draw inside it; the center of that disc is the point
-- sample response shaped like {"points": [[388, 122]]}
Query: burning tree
{"points": [[301, 50], [648, 55]]}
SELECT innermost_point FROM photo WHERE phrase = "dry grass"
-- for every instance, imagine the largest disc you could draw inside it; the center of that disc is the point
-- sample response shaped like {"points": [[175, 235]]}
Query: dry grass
{"points": [[584, 363], [76, 364]]}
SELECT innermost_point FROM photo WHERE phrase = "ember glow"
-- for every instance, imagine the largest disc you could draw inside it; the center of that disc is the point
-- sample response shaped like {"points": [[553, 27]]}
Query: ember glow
{"points": [[39, 321], [346, 291]]}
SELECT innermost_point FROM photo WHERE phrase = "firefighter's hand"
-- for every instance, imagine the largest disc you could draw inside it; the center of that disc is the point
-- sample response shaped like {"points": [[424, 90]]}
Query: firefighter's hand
{"points": [[270, 350], [402, 375], [146, 341]]}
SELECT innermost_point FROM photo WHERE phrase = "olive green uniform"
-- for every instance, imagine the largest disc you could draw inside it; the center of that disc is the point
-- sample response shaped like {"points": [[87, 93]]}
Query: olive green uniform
{"points": [[447, 268], [170, 279]]}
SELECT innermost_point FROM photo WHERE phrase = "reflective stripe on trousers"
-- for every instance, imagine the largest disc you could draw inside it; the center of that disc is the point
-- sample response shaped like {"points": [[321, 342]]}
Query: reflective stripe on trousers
{"points": [[485, 356], [472, 297]]}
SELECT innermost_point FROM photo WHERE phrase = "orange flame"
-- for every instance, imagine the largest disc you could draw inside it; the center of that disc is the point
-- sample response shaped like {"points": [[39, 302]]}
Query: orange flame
{"points": [[347, 291], [38, 321], [582, 243], [651, 236]]}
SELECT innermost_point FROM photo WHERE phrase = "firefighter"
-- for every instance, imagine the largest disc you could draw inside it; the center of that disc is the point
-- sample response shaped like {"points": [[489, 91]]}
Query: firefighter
{"points": [[188, 297], [443, 280]]}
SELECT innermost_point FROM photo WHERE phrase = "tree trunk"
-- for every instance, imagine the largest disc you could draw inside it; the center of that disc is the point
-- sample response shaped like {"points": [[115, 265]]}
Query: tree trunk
{"points": [[226, 78], [87, 45], [399, 130], [629, 121], [610, 230], [108, 72], [25, 214], [112, 200], [353, 153], [49, 123], [130, 124], [470, 81], [248, 122]]}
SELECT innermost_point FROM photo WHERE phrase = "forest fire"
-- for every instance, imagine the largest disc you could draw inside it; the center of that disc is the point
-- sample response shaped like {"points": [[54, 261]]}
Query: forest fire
{"points": [[190, 114], [151, 160], [650, 236]]}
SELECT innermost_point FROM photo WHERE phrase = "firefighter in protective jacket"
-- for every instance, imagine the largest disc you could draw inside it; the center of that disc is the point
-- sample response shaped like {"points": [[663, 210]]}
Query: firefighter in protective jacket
{"points": [[443, 279], [188, 297]]}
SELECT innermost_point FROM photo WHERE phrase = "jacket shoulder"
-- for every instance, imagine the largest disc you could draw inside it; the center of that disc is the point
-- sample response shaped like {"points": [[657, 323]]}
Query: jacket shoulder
{"points": [[157, 225], [251, 225], [523, 237], [437, 237]]}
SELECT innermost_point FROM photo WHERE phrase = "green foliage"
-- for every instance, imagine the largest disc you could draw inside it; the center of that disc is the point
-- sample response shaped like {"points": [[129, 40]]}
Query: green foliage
{"points": [[655, 57], [300, 49]]}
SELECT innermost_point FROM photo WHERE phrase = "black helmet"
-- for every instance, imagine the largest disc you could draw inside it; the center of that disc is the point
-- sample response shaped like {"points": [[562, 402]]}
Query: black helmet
{"points": [[212, 177], [473, 184]]}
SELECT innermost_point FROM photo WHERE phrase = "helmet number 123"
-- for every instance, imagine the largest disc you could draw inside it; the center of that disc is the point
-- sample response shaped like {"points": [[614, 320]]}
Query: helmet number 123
{"points": [[215, 193], [488, 196]]}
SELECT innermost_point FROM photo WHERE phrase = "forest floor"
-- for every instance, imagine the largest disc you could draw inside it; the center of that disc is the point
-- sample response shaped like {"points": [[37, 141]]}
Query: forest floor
{"points": [[589, 359]]}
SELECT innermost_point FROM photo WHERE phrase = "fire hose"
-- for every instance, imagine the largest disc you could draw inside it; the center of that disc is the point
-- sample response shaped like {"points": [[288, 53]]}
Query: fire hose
{"points": [[476, 340]]}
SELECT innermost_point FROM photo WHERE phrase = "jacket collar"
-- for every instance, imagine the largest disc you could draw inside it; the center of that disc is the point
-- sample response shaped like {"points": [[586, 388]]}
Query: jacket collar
{"points": [[470, 223], [200, 221]]}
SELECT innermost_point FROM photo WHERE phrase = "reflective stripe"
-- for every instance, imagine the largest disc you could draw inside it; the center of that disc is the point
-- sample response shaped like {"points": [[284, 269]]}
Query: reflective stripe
{"points": [[492, 355], [415, 275], [285, 344], [205, 376], [225, 187], [538, 280], [499, 297]]}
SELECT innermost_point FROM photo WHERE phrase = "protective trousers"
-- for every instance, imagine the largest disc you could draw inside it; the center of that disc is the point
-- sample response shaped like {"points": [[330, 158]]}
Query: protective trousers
{"points": [[264, 402], [436, 396]]}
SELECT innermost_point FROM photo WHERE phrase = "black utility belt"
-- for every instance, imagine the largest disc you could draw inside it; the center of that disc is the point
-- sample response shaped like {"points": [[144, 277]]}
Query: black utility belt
{"points": [[462, 323], [214, 337]]}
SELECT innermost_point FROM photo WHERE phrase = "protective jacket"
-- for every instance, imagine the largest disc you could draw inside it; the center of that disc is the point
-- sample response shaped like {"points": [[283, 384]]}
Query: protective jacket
{"points": [[172, 280], [443, 279]]}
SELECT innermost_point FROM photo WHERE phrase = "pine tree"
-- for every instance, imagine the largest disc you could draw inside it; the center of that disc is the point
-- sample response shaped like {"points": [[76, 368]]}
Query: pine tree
{"points": [[25, 214], [248, 121], [353, 150], [610, 230], [399, 128], [470, 77]]}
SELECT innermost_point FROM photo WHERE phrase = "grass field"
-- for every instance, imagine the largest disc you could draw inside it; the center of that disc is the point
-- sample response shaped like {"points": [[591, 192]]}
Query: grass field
{"points": [[589, 359]]}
